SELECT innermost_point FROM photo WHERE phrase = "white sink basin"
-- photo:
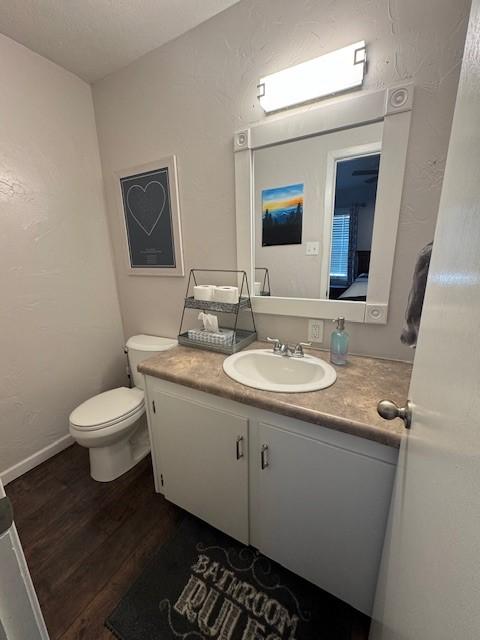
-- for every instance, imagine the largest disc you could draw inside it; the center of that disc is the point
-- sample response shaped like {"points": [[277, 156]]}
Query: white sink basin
{"points": [[263, 369]]}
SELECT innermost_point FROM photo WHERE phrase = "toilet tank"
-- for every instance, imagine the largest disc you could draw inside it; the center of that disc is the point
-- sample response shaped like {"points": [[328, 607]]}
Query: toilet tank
{"points": [[141, 348]]}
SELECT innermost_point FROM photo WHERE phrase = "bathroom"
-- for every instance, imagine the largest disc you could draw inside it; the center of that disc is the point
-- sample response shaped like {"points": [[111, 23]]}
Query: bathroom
{"points": [[328, 519]]}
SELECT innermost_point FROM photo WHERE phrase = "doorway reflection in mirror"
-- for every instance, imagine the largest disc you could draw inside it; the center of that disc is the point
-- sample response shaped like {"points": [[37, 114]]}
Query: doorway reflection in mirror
{"points": [[352, 227]]}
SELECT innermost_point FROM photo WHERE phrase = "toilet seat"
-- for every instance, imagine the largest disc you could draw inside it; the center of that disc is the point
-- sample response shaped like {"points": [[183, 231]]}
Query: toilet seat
{"points": [[108, 409]]}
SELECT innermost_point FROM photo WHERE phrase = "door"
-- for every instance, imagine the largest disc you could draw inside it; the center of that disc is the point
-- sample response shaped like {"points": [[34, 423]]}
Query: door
{"points": [[430, 581], [20, 615], [320, 511], [203, 454]]}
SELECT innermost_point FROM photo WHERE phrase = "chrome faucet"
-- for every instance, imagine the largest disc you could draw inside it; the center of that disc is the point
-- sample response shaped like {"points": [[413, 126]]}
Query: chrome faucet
{"points": [[286, 350], [298, 350], [278, 346]]}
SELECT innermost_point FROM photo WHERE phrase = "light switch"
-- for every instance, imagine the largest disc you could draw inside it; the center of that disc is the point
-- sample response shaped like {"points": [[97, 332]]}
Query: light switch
{"points": [[313, 249]]}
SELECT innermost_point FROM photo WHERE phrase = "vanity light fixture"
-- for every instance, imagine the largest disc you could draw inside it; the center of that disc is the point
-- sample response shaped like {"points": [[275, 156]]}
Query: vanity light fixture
{"points": [[331, 73]]}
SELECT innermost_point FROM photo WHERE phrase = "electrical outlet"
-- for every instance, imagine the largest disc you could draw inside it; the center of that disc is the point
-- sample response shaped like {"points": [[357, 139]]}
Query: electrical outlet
{"points": [[312, 249], [315, 330]]}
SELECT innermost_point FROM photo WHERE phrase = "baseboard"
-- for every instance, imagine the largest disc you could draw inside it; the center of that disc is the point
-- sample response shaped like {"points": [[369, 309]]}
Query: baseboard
{"points": [[35, 459]]}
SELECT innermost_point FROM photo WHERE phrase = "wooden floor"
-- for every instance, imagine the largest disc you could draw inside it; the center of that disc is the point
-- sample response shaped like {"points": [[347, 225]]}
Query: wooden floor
{"points": [[86, 541]]}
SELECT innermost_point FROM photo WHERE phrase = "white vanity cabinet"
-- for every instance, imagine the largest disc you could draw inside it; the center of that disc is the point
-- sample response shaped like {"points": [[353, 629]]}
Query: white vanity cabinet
{"points": [[313, 499], [202, 454], [320, 510]]}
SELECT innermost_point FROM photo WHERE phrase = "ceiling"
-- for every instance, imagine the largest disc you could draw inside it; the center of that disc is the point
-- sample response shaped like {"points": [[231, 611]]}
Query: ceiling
{"points": [[92, 38]]}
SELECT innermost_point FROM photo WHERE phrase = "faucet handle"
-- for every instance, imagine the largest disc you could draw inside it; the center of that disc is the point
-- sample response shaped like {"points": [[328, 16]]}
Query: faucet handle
{"points": [[298, 350], [277, 344]]}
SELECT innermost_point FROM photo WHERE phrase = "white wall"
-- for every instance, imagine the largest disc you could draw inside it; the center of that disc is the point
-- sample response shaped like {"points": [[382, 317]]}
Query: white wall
{"points": [[60, 330], [189, 96]]}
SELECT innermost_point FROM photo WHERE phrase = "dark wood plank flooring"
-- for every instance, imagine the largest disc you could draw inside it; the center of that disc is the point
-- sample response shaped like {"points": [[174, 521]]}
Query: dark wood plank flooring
{"points": [[86, 541]]}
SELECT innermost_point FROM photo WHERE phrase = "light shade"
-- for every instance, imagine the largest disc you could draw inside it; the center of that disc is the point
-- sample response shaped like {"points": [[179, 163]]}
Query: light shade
{"points": [[336, 71]]}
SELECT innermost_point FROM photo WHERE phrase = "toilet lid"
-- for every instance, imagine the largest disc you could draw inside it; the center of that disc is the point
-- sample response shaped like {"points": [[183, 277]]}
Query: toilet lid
{"points": [[108, 408]]}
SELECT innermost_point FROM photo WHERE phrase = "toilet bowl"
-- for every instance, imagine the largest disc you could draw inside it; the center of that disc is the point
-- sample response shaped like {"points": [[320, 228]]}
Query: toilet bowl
{"points": [[113, 424]]}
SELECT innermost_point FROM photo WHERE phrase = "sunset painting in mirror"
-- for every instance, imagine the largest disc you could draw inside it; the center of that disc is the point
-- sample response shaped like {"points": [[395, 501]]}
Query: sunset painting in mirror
{"points": [[282, 213]]}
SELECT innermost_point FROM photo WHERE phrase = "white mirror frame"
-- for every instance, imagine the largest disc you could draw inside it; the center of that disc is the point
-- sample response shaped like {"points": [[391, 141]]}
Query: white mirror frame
{"points": [[393, 106]]}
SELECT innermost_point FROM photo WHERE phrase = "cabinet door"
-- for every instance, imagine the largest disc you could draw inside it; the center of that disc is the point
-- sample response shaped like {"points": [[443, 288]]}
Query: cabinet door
{"points": [[203, 453], [320, 511]]}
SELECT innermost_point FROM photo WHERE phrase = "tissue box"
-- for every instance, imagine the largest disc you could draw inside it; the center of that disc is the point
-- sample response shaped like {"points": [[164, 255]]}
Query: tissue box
{"points": [[222, 336]]}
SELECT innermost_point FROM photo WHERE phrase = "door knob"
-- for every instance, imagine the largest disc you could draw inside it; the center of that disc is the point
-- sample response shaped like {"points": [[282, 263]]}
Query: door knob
{"points": [[389, 410]]}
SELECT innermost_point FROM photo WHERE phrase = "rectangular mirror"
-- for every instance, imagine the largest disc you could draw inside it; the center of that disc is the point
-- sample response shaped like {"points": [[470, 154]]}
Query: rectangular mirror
{"points": [[318, 199], [314, 209]]}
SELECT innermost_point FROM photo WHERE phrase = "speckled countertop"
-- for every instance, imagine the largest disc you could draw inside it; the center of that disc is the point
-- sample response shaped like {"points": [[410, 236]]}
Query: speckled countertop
{"points": [[349, 405]]}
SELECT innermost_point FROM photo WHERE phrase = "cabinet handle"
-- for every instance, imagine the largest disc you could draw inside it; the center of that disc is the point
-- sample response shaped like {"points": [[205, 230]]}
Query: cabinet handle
{"points": [[264, 462], [239, 447]]}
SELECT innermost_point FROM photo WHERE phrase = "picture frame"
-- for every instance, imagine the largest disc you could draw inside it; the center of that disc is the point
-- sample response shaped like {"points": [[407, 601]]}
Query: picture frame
{"points": [[149, 207], [282, 215]]}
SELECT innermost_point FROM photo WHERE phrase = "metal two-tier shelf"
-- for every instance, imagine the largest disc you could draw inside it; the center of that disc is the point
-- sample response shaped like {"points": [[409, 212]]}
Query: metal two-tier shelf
{"points": [[241, 336]]}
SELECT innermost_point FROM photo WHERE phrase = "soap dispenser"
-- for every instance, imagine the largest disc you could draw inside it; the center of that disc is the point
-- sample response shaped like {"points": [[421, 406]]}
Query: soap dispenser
{"points": [[339, 343]]}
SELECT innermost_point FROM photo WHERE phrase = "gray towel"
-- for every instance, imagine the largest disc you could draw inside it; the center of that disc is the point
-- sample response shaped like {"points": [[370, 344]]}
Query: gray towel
{"points": [[415, 299]]}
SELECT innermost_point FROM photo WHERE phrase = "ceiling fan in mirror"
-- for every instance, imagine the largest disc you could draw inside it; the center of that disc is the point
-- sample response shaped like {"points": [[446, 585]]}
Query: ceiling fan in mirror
{"points": [[367, 172]]}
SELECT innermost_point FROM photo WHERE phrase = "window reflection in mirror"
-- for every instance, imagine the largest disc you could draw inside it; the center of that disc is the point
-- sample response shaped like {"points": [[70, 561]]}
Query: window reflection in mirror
{"points": [[352, 227]]}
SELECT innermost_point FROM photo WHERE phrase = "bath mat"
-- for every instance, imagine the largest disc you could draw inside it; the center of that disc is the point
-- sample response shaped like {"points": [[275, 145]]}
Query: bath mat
{"points": [[203, 585]]}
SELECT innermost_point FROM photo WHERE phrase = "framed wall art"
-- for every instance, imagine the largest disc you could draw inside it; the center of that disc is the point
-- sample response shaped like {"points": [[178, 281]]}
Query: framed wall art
{"points": [[150, 212], [282, 214]]}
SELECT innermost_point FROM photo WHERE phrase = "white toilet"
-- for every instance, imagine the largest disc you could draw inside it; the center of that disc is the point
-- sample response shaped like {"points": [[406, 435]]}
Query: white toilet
{"points": [[113, 425]]}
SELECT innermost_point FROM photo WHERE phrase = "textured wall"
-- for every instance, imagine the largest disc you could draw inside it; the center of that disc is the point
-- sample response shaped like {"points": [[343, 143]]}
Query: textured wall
{"points": [[189, 96], [60, 329]]}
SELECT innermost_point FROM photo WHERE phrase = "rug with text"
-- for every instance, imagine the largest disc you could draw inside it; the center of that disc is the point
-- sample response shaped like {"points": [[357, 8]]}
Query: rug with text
{"points": [[203, 585]]}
